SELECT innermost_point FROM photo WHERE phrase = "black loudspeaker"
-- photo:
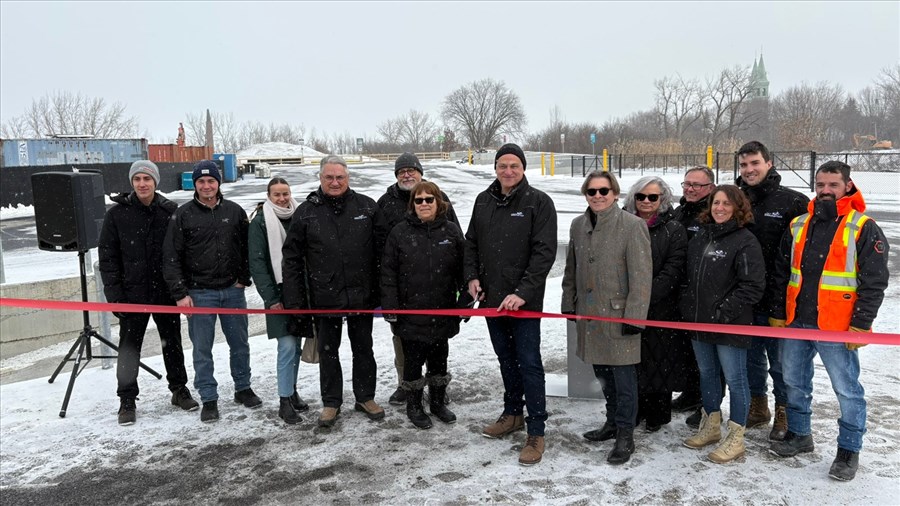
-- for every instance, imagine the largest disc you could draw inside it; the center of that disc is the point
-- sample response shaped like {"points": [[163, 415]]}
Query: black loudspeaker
{"points": [[68, 209]]}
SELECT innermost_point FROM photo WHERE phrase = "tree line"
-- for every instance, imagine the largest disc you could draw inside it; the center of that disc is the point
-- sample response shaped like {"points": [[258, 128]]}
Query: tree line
{"points": [[688, 114]]}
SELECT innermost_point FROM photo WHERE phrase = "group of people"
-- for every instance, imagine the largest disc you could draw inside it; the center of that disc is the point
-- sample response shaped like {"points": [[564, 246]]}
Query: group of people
{"points": [[729, 254]]}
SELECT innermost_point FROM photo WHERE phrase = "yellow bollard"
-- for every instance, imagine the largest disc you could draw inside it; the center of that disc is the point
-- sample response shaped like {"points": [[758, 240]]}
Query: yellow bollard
{"points": [[552, 162], [605, 160], [470, 157], [542, 163], [709, 157]]}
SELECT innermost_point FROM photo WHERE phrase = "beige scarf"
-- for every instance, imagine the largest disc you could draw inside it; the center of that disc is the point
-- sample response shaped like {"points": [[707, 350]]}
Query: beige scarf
{"points": [[276, 232]]}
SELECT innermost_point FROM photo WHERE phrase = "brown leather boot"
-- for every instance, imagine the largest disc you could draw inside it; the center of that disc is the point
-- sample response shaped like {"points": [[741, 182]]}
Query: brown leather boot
{"points": [[505, 425], [779, 428], [759, 414], [533, 450]]}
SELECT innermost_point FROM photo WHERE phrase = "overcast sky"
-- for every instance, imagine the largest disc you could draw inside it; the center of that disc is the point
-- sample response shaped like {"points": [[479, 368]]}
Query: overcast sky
{"points": [[346, 67]]}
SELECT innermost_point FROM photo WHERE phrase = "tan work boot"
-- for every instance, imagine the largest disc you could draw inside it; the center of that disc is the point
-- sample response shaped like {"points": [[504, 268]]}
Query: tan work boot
{"points": [[371, 409], [505, 425], [328, 416], [533, 450], [732, 447], [710, 430], [779, 428], [759, 411]]}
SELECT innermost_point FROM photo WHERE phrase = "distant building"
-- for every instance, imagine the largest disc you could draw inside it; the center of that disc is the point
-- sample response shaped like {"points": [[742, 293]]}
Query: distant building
{"points": [[759, 109]]}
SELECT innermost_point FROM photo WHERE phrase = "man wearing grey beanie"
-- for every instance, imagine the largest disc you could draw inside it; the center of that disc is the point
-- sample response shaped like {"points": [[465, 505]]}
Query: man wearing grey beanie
{"points": [[131, 267]]}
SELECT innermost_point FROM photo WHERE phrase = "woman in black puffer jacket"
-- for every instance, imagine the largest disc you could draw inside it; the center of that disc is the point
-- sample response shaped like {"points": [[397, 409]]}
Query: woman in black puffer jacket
{"points": [[726, 276], [422, 268]]}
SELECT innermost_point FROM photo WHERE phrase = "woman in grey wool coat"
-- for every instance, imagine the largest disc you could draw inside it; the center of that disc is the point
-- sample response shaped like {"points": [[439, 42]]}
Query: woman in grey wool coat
{"points": [[609, 272]]}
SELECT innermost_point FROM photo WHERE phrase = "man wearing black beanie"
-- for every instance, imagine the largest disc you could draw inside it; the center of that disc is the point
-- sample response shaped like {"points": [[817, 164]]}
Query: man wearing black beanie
{"points": [[510, 247]]}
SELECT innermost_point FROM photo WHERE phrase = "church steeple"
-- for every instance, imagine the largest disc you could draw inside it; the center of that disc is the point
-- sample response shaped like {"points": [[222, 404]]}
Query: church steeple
{"points": [[758, 79]]}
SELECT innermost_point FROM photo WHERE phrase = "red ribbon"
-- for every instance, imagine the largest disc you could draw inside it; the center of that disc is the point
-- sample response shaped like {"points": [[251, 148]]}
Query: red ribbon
{"points": [[747, 330]]}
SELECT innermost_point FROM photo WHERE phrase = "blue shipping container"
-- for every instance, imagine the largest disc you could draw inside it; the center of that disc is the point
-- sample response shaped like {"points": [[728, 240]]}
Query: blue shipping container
{"points": [[43, 152], [229, 163], [187, 180]]}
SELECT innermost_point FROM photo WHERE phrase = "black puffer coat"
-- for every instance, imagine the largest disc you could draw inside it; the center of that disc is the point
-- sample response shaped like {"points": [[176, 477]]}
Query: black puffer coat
{"points": [[774, 207], [511, 244], [665, 352], [206, 247], [131, 254], [726, 276], [688, 213], [335, 246], [422, 268], [395, 206]]}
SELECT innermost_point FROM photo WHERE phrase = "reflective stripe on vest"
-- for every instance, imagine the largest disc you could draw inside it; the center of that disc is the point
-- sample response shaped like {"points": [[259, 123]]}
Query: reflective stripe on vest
{"points": [[842, 281]]}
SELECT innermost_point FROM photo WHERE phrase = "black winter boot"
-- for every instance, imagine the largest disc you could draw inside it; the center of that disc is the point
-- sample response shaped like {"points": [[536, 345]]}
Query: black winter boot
{"points": [[414, 410], [624, 447], [437, 391], [287, 412], [297, 402]]}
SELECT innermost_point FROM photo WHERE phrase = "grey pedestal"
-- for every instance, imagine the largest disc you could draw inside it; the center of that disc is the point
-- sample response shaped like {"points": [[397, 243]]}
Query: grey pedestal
{"points": [[580, 382]]}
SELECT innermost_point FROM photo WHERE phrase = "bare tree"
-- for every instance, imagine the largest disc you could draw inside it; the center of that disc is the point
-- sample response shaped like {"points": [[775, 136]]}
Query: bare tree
{"points": [[195, 129], [726, 98], [418, 130], [67, 113], [481, 110], [389, 131], [679, 104], [15, 128], [889, 85], [804, 115]]}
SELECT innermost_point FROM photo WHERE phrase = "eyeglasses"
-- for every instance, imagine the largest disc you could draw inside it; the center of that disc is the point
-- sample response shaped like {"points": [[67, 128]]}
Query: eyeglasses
{"points": [[652, 197], [423, 200], [694, 186], [593, 191], [403, 172]]}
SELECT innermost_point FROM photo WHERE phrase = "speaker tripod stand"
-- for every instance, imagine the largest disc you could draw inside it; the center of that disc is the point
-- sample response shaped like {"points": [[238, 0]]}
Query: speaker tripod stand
{"points": [[83, 346]]}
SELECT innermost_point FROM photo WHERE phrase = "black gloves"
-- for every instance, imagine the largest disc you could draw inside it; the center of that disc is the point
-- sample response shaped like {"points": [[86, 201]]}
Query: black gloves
{"points": [[300, 326], [390, 318], [630, 330]]}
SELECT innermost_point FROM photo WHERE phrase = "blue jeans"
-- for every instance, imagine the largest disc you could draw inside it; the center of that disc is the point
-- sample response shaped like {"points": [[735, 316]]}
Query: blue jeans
{"points": [[517, 343], [713, 360], [287, 364], [842, 366], [758, 370], [202, 331], [620, 387]]}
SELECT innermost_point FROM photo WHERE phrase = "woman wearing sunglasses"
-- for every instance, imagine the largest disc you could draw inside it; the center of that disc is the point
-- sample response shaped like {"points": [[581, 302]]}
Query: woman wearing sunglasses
{"points": [[422, 268], [609, 273], [663, 351], [725, 277]]}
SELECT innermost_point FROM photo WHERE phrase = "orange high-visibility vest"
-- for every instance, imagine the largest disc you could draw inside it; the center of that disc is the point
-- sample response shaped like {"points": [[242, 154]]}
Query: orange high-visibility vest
{"points": [[837, 286]]}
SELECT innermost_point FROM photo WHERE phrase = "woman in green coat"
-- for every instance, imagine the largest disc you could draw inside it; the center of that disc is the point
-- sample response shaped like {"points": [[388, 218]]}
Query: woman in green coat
{"points": [[268, 229]]}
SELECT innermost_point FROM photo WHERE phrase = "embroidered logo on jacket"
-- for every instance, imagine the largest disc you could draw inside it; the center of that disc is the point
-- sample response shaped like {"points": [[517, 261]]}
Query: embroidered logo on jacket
{"points": [[445, 242], [361, 217], [717, 254], [773, 214], [518, 214]]}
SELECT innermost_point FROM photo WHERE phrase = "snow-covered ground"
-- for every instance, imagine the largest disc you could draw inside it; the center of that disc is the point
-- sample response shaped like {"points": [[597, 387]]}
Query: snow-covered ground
{"points": [[249, 457]]}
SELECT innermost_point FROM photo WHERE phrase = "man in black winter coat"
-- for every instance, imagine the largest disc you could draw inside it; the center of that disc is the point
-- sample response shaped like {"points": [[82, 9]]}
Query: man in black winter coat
{"points": [[331, 261], [131, 262], [774, 206], [510, 248], [698, 183], [207, 265], [395, 206]]}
